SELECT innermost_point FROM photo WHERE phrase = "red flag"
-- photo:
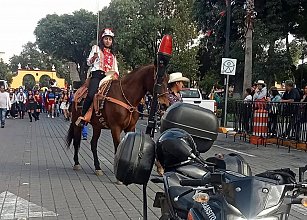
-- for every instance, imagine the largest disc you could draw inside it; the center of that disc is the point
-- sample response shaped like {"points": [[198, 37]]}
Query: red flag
{"points": [[208, 33], [222, 13]]}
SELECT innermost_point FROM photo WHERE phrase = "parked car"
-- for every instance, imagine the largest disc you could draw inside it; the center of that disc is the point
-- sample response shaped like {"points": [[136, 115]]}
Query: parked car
{"points": [[194, 96]]}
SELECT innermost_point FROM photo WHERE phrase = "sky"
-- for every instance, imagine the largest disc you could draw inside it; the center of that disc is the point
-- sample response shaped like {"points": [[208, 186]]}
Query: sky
{"points": [[18, 19]]}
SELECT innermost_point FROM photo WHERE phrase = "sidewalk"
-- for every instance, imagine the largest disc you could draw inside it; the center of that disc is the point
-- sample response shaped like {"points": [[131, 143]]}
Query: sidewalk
{"points": [[37, 180]]}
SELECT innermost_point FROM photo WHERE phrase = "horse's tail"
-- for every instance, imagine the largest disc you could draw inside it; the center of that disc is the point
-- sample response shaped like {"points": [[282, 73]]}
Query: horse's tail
{"points": [[70, 135]]}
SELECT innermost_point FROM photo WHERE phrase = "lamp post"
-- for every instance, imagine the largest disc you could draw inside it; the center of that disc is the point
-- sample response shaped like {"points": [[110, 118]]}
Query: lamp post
{"points": [[227, 45]]}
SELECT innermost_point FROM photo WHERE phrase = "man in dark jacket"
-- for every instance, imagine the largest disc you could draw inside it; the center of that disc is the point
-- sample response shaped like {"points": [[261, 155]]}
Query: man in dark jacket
{"points": [[290, 110], [291, 94]]}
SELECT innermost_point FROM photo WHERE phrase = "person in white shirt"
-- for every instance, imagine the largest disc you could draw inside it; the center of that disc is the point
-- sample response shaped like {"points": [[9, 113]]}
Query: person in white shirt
{"points": [[13, 100], [248, 95], [102, 60], [21, 101], [260, 92], [5, 105]]}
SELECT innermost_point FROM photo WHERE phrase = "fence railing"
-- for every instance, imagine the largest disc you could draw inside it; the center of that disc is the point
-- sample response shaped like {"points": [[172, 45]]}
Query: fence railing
{"points": [[272, 119]]}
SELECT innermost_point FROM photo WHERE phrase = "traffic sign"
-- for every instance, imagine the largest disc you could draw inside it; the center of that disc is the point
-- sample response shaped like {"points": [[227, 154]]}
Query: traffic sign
{"points": [[228, 66]]}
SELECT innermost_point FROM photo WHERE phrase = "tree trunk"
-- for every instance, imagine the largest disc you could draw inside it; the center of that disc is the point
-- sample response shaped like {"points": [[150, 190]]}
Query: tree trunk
{"points": [[83, 71], [270, 78], [248, 67], [288, 54]]}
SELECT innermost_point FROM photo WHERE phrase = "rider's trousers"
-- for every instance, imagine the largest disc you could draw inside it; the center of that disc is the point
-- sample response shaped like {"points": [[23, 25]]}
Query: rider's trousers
{"points": [[96, 76]]}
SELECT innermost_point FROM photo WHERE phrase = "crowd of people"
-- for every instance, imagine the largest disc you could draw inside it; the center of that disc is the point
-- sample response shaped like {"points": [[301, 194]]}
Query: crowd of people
{"points": [[276, 104], [15, 103]]}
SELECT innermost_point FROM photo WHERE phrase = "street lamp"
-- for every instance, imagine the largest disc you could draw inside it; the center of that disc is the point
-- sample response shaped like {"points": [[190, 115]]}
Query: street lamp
{"points": [[227, 45]]}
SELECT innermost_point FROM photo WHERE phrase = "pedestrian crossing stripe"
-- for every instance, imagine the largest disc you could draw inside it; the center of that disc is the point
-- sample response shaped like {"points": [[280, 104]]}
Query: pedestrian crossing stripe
{"points": [[14, 207]]}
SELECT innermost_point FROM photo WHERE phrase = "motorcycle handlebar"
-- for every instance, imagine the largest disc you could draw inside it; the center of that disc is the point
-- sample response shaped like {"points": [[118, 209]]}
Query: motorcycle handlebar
{"points": [[196, 182], [296, 200]]}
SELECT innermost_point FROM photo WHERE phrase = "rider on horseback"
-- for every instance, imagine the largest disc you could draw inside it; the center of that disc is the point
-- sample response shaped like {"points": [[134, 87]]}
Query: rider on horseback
{"points": [[102, 60]]}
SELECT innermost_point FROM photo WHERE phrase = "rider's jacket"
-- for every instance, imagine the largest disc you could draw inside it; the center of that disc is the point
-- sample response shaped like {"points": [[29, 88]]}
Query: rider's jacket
{"points": [[105, 62]]}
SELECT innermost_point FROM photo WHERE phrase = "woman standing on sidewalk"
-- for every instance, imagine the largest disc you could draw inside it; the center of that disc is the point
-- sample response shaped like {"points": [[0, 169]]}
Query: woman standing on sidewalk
{"points": [[65, 104], [13, 101], [31, 106], [39, 101], [21, 101], [273, 111], [50, 102]]}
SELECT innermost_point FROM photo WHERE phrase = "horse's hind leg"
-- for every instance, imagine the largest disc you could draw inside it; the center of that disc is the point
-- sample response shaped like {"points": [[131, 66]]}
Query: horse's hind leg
{"points": [[96, 135], [76, 143]]}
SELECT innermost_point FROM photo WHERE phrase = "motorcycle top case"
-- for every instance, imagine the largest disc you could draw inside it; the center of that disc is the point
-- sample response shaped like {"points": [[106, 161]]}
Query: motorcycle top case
{"points": [[134, 158], [201, 123]]}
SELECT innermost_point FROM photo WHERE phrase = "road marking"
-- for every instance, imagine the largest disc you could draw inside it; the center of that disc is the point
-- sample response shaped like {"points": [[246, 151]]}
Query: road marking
{"points": [[236, 151], [14, 207]]}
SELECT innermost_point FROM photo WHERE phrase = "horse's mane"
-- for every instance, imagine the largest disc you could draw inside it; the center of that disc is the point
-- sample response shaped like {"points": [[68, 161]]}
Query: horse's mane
{"points": [[138, 69]]}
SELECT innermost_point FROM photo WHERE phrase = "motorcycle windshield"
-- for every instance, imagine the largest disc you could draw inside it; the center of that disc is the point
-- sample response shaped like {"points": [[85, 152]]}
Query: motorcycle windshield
{"points": [[253, 196]]}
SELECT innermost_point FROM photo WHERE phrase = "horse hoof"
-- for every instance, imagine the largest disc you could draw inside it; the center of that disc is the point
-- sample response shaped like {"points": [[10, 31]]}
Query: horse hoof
{"points": [[118, 182], [98, 172], [77, 167]]}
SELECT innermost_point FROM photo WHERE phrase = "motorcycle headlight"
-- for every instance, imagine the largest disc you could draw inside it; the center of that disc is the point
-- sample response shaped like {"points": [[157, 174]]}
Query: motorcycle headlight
{"points": [[234, 217]]}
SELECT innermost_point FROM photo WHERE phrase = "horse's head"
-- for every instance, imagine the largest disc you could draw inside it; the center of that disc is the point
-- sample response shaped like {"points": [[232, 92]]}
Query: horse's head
{"points": [[146, 78], [163, 92]]}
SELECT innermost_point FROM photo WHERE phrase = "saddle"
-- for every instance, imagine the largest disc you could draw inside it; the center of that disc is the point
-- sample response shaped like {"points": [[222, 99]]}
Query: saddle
{"points": [[99, 98]]}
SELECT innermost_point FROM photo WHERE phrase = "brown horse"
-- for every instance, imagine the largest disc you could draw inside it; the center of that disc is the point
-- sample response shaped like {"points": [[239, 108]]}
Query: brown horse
{"points": [[130, 90]]}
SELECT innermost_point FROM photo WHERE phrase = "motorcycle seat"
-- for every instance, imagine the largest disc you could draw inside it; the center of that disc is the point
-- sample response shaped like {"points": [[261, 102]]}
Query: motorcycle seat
{"points": [[194, 171]]}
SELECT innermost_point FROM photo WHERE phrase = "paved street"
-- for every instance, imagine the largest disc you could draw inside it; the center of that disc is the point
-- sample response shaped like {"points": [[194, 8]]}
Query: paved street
{"points": [[37, 180]]}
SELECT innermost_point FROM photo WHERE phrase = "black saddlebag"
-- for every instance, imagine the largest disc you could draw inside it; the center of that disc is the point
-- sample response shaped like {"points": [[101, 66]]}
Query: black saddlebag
{"points": [[134, 158], [201, 123]]}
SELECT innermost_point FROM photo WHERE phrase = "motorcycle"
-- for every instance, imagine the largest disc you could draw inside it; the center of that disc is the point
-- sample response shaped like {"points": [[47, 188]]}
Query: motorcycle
{"points": [[220, 188], [217, 188]]}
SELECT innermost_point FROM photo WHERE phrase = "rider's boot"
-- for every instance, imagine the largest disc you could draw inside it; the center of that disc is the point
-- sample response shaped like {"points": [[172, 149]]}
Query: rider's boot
{"points": [[81, 121]]}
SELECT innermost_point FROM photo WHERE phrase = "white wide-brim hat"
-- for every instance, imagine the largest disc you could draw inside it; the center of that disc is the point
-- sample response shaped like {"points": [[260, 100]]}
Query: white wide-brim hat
{"points": [[261, 82], [177, 77]]}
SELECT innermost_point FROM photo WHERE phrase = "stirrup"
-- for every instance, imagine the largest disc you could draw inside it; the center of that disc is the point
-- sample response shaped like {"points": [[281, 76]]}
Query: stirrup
{"points": [[80, 121]]}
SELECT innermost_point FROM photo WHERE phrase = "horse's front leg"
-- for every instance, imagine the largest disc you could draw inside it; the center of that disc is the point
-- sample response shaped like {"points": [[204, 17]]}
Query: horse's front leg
{"points": [[94, 141]]}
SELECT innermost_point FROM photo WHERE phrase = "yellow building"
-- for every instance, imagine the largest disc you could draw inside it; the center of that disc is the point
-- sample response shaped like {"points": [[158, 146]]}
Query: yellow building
{"points": [[17, 80]]}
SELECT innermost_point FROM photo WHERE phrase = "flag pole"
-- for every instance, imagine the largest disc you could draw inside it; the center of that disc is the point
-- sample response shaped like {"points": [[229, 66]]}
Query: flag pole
{"points": [[97, 34]]}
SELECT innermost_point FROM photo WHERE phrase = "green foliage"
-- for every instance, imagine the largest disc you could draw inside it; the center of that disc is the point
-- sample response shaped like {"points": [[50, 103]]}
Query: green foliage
{"points": [[140, 26], [274, 57], [32, 57], [44, 81], [67, 37], [300, 75], [4, 72], [28, 81], [207, 83]]}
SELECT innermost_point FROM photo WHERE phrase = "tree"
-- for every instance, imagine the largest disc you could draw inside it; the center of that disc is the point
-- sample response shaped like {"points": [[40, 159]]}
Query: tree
{"points": [[211, 21], [28, 81], [274, 55], [140, 25], [4, 72], [68, 37], [32, 58]]}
